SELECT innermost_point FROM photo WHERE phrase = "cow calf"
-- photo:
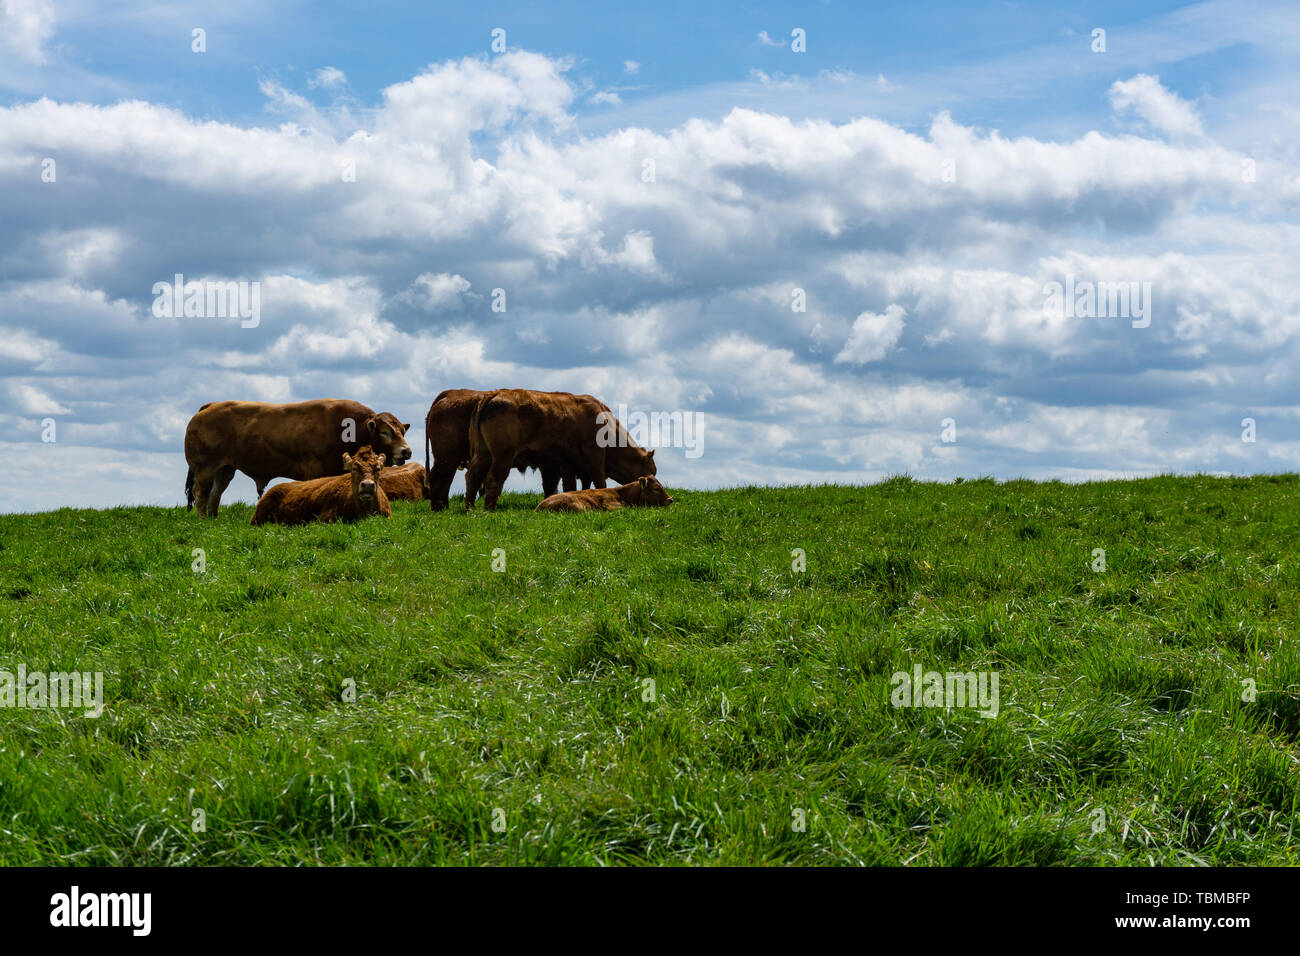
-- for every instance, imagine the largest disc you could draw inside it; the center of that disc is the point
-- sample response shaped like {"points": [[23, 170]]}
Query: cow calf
{"points": [[357, 493], [404, 484], [645, 492]]}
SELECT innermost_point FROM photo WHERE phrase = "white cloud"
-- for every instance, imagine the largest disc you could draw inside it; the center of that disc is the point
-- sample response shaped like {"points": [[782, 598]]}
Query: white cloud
{"points": [[766, 40], [606, 98], [1161, 109], [30, 400], [25, 27], [873, 336], [631, 66], [433, 292], [327, 77], [636, 254], [924, 297]]}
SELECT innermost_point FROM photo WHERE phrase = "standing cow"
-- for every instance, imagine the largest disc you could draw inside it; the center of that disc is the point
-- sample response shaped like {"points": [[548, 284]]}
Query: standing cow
{"points": [[302, 440], [446, 439], [516, 423]]}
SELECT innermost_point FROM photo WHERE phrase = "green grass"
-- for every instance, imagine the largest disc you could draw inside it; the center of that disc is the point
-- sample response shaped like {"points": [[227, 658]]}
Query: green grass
{"points": [[524, 690]]}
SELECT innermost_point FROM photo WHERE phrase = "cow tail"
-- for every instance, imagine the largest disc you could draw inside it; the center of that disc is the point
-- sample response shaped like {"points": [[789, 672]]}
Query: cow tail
{"points": [[475, 436], [428, 466], [189, 475]]}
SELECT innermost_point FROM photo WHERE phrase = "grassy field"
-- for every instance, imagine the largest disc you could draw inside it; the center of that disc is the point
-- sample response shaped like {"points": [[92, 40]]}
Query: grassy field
{"points": [[506, 717]]}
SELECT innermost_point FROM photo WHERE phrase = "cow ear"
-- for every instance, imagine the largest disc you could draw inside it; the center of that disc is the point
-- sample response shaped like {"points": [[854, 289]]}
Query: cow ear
{"points": [[381, 461], [406, 427], [652, 452], [347, 460], [370, 425]]}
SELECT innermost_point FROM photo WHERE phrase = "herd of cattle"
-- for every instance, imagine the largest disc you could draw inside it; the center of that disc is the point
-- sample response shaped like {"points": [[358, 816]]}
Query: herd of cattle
{"points": [[346, 461]]}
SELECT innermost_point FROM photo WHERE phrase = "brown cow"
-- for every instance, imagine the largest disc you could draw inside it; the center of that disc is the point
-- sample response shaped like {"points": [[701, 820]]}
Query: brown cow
{"points": [[446, 438], [358, 493], [514, 424], [301, 441], [405, 483], [645, 492]]}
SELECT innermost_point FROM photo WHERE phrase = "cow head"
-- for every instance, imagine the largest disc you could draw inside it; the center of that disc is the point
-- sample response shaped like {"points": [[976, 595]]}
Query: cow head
{"points": [[364, 468], [631, 463], [653, 494], [386, 437]]}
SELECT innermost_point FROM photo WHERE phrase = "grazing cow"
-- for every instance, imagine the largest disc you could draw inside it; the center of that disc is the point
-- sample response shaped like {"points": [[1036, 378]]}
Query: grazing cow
{"points": [[516, 424], [645, 492], [301, 441], [446, 438], [358, 493], [405, 483]]}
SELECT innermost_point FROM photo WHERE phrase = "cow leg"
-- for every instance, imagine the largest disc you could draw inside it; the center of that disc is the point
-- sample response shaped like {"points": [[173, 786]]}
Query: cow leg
{"points": [[593, 468], [219, 482], [202, 484], [551, 482], [496, 480], [570, 482], [440, 478], [474, 479]]}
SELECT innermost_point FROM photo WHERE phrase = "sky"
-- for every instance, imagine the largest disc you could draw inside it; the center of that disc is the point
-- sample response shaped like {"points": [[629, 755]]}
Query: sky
{"points": [[842, 240]]}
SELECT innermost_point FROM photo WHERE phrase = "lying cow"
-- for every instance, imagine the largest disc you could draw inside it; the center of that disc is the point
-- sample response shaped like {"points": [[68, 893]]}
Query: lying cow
{"points": [[301, 441], [518, 424], [355, 494], [405, 483], [446, 448], [645, 492]]}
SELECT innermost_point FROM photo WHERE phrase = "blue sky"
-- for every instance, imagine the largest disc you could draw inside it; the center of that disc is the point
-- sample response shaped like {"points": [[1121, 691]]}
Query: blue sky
{"points": [[921, 173], [108, 50], [118, 50]]}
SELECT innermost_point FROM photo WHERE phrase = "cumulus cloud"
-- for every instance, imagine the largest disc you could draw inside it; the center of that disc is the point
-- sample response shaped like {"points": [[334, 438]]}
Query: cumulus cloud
{"points": [[25, 27], [434, 292], [380, 241], [29, 400], [873, 336], [1159, 108]]}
